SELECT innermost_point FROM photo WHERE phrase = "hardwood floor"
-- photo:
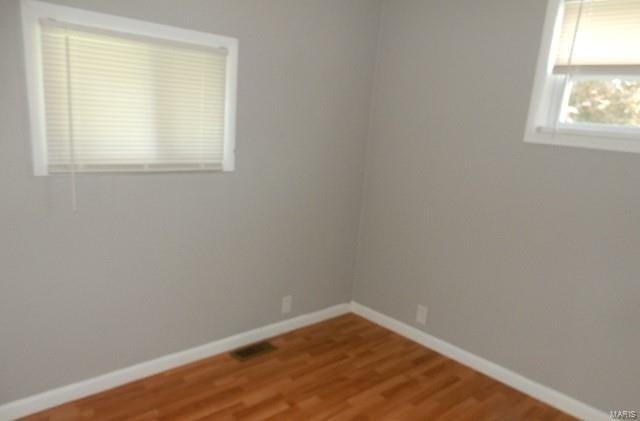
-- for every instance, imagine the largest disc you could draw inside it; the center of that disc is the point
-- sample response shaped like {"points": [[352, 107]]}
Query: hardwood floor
{"points": [[340, 369]]}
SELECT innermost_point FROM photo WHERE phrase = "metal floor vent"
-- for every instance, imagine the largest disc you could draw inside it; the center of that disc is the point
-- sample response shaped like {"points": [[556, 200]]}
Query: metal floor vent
{"points": [[252, 351]]}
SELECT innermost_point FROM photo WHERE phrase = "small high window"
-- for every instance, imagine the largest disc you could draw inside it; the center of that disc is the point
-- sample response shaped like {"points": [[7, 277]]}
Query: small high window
{"points": [[112, 94], [587, 88]]}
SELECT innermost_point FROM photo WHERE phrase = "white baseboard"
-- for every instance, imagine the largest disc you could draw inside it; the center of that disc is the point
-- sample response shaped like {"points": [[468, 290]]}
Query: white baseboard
{"points": [[116, 378], [88, 387], [542, 393]]}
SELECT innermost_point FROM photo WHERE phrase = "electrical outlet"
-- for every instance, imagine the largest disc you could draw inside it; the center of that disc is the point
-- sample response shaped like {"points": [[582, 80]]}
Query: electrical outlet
{"points": [[286, 304], [421, 314]]}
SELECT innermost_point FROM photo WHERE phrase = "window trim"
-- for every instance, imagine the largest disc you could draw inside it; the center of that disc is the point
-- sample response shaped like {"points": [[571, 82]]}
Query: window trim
{"points": [[33, 11], [548, 97]]}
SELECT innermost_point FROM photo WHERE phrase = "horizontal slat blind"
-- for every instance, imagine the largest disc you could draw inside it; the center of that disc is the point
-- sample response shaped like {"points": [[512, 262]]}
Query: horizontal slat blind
{"points": [[116, 102], [607, 39]]}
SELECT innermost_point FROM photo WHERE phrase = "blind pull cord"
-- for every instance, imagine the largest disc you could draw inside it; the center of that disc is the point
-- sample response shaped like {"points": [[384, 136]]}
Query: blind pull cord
{"points": [[569, 72], [72, 152]]}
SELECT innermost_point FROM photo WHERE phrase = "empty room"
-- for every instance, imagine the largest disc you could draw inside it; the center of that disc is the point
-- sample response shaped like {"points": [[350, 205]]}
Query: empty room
{"points": [[320, 210]]}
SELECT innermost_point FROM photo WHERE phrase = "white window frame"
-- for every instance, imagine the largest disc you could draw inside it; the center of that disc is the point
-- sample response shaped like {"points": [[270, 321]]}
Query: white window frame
{"points": [[549, 95], [33, 11]]}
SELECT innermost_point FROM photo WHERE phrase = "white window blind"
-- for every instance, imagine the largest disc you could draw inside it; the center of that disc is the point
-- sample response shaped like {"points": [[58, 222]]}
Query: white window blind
{"points": [[121, 102], [606, 37]]}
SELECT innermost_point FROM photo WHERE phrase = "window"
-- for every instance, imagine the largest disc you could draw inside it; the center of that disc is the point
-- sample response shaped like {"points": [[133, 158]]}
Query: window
{"points": [[110, 94], [587, 87]]}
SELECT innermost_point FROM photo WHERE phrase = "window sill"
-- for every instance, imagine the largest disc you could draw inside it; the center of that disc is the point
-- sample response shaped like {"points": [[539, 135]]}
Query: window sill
{"points": [[590, 139], [134, 169]]}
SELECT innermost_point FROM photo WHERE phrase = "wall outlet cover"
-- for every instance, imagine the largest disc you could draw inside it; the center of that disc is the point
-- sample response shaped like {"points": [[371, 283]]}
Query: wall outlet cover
{"points": [[421, 314], [286, 304]]}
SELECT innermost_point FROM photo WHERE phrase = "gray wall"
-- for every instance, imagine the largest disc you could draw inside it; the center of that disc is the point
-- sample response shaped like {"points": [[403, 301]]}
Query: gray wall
{"points": [[527, 255], [153, 264]]}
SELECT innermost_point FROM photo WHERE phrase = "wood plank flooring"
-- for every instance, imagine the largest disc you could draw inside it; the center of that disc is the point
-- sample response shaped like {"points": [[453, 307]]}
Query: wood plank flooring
{"points": [[342, 369]]}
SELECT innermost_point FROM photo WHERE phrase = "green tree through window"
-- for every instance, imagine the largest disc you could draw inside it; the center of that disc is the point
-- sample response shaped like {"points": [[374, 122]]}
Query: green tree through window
{"points": [[614, 101]]}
